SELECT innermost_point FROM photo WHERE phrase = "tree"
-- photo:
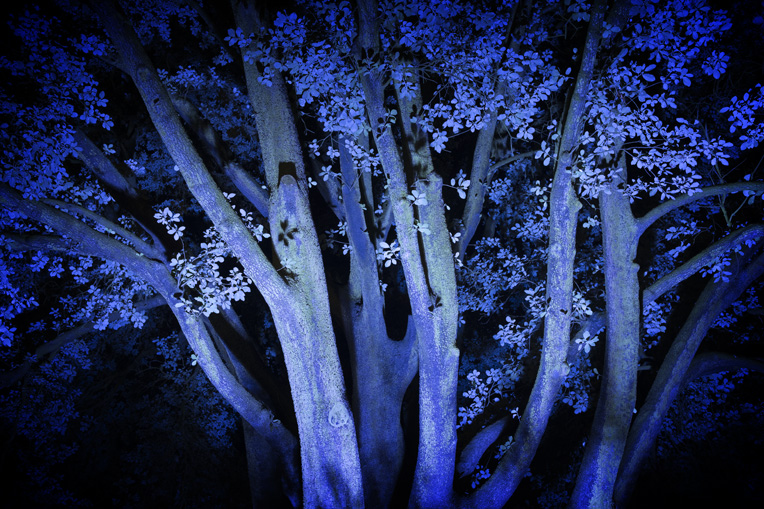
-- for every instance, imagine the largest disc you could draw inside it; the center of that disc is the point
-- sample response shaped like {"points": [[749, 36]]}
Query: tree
{"points": [[252, 129]]}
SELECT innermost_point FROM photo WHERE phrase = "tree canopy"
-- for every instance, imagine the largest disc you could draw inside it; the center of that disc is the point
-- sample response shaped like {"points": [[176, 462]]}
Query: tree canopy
{"points": [[404, 247]]}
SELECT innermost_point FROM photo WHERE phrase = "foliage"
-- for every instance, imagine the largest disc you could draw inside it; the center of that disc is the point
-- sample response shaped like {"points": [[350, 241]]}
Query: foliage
{"points": [[459, 158]]}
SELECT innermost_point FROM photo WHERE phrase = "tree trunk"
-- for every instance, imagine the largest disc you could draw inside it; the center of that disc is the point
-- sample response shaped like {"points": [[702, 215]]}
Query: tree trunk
{"points": [[714, 299], [382, 369], [618, 391]]}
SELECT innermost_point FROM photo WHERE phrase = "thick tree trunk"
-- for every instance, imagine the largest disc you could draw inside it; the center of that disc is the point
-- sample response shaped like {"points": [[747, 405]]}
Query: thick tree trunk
{"points": [[438, 355], [714, 299], [604, 446], [429, 269], [382, 369], [331, 473]]}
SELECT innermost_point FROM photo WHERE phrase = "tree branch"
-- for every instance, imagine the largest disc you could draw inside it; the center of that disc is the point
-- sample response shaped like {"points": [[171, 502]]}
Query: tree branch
{"points": [[474, 450], [329, 189], [255, 413], [25, 242], [644, 222], [708, 363], [99, 164], [507, 161], [563, 222], [52, 347], [273, 391], [694, 264], [214, 146], [473, 208], [84, 239], [248, 187], [165, 118], [140, 245], [108, 174], [714, 299]]}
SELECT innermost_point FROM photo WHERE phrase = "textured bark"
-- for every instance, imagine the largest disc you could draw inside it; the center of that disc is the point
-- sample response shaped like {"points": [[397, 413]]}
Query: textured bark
{"points": [[429, 270], [196, 175], [438, 355], [297, 298], [714, 299], [329, 451], [563, 219], [382, 369], [618, 390]]}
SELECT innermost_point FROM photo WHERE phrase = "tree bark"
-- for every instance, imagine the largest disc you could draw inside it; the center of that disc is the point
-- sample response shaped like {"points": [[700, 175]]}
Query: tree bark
{"points": [[618, 390], [429, 270], [382, 369], [714, 299]]}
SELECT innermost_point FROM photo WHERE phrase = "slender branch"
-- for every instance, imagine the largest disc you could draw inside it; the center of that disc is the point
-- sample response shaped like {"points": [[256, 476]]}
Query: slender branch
{"points": [[563, 220], [140, 245], [195, 173], [52, 347], [251, 409], [483, 439], [473, 208], [248, 186], [274, 391], [80, 237], [329, 189], [50, 243], [214, 146], [507, 161], [207, 136], [99, 164], [385, 220], [644, 222], [694, 264], [708, 363], [108, 174]]}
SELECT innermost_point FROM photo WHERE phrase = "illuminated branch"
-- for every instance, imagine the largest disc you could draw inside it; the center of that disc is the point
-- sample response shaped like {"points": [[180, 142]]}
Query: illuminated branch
{"points": [[199, 181], [100, 165], [481, 174], [215, 148], [248, 186], [644, 222], [140, 245], [473, 208], [329, 189], [700, 260], [563, 223], [80, 237]]}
